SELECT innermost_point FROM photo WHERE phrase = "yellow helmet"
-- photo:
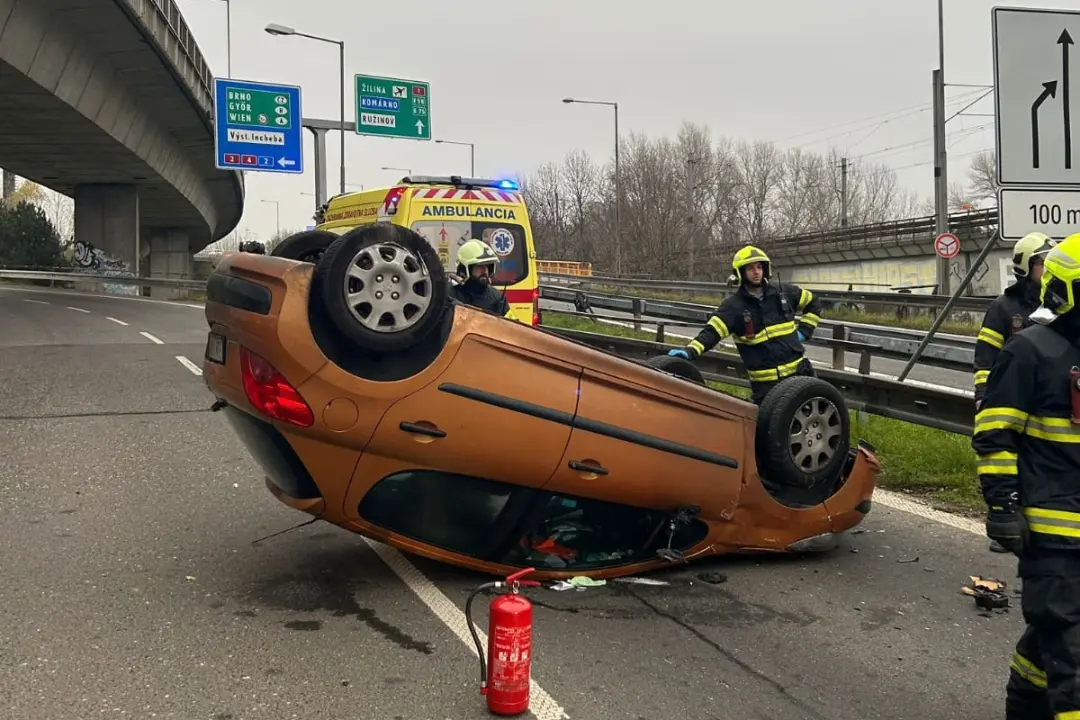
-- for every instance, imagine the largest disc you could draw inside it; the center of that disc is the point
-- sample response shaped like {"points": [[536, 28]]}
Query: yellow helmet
{"points": [[1027, 248], [749, 255], [476, 252], [1061, 273]]}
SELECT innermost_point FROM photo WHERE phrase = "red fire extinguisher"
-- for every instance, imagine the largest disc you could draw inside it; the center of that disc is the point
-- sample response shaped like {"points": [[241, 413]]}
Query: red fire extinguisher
{"points": [[506, 667]]}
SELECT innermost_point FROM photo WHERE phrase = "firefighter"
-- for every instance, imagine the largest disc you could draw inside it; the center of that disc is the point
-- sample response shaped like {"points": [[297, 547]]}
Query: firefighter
{"points": [[1028, 448], [475, 270], [1008, 313], [761, 317]]}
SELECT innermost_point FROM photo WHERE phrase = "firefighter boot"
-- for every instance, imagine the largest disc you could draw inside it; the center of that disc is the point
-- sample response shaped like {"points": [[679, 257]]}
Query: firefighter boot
{"points": [[997, 547]]}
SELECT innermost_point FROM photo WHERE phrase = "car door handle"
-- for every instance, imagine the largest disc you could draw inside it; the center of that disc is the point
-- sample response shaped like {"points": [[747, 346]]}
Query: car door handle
{"points": [[422, 430], [584, 467]]}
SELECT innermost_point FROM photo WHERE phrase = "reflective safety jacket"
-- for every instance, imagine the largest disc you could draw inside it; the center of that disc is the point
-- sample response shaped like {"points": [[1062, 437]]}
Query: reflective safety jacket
{"points": [[764, 329], [1028, 447], [1006, 316]]}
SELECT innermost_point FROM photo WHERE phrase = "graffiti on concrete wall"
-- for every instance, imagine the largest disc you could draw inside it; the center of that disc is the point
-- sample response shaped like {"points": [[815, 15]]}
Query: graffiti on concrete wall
{"points": [[877, 275], [89, 259]]}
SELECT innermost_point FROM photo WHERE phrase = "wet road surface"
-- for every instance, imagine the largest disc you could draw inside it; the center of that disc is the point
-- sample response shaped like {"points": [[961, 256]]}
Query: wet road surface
{"points": [[131, 586]]}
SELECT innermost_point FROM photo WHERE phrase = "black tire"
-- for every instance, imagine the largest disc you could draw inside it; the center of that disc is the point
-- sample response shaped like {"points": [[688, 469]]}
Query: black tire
{"points": [[790, 408], [398, 250], [680, 367], [305, 246]]}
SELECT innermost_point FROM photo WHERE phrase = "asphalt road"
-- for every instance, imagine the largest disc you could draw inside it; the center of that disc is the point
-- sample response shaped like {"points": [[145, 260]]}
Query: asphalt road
{"points": [[131, 587], [883, 367]]}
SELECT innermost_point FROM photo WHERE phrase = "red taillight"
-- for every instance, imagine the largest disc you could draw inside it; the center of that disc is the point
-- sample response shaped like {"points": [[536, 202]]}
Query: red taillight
{"points": [[271, 393], [536, 306]]}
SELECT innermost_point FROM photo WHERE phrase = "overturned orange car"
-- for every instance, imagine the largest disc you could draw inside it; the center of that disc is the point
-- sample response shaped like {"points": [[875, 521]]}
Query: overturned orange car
{"points": [[373, 401]]}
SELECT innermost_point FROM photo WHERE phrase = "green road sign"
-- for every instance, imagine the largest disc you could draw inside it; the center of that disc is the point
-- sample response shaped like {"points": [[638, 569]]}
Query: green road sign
{"points": [[257, 108], [393, 108]]}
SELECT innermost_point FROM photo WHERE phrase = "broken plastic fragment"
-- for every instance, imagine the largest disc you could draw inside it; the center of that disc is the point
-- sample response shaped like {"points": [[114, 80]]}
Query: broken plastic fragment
{"points": [[989, 593]]}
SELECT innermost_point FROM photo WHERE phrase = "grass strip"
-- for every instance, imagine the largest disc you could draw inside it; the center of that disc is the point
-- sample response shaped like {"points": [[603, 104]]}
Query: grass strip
{"points": [[934, 465]]}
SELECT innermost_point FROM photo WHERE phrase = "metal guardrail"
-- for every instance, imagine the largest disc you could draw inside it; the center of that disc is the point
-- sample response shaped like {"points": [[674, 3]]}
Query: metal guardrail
{"points": [[975, 304], [80, 277], [915, 404], [950, 352]]}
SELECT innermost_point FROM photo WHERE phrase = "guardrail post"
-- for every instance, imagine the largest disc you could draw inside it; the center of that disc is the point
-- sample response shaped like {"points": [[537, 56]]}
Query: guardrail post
{"points": [[660, 332], [838, 355], [864, 361], [635, 304]]}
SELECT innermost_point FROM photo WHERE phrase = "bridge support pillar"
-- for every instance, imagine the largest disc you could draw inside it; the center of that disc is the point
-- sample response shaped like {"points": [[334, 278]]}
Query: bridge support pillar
{"points": [[169, 258], [107, 234]]}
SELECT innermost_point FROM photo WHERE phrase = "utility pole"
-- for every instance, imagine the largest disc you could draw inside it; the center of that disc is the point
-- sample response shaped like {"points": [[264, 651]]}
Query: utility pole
{"points": [[8, 184], [941, 188], [941, 155], [843, 192]]}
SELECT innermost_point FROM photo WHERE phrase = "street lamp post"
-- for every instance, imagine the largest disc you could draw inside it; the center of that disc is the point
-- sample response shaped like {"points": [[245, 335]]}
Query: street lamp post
{"points": [[472, 153], [618, 197], [407, 171], [228, 35], [275, 29]]}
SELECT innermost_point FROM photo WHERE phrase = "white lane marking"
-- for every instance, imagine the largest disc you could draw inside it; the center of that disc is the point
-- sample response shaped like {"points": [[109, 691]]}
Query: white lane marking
{"points": [[190, 365], [118, 322], [541, 705], [899, 501], [174, 303], [36, 302], [77, 309], [151, 338]]}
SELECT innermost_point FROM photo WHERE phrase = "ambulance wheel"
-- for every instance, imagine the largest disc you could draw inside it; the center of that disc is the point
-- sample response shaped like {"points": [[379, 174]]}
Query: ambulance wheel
{"points": [[803, 436], [305, 246], [382, 287], [677, 366]]}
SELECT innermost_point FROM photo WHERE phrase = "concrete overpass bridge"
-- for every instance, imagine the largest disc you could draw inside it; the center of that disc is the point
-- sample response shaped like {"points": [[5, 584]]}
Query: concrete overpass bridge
{"points": [[111, 102], [897, 253]]}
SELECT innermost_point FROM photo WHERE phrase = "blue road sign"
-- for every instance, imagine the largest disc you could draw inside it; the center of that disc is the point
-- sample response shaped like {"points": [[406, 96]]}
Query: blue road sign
{"points": [[258, 127]]}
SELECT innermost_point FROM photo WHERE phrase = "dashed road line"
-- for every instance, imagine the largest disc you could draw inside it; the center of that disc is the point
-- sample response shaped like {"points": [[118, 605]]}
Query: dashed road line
{"points": [[151, 338], [195, 369], [36, 302], [77, 309], [118, 322]]}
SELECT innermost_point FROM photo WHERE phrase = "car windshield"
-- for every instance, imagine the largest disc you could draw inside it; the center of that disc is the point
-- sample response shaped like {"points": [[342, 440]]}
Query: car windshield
{"points": [[506, 239]]}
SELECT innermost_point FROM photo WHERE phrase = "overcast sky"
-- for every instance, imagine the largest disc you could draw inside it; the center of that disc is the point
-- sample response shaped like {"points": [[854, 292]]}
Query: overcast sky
{"points": [[853, 74]]}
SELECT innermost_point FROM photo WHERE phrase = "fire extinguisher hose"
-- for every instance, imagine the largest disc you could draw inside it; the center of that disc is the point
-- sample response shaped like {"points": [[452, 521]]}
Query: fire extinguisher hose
{"points": [[472, 629]]}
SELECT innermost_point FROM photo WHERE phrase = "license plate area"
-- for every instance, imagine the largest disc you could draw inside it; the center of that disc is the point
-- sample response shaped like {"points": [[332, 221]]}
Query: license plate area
{"points": [[215, 348]]}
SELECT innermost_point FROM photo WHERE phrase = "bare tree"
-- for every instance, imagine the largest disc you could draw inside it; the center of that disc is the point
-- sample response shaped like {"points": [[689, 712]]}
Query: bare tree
{"points": [[982, 176]]}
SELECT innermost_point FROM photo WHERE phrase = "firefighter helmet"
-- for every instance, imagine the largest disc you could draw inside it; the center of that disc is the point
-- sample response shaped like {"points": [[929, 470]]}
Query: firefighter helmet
{"points": [[1060, 281], [475, 252], [1026, 249], [749, 255]]}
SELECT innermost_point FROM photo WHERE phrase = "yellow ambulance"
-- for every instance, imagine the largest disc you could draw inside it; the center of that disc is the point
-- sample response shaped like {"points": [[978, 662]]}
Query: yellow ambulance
{"points": [[447, 211]]}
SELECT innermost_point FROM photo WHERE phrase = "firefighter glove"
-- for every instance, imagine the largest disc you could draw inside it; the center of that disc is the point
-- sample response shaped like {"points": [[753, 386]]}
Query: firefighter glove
{"points": [[1007, 526], [680, 352]]}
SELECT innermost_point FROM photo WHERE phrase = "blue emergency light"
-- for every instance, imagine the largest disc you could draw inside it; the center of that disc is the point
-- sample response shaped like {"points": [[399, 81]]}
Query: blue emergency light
{"points": [[508, 185]]}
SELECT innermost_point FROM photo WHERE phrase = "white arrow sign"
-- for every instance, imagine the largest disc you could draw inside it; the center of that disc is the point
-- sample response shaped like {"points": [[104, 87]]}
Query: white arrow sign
{"points": [[419, 127], [283, 162]]}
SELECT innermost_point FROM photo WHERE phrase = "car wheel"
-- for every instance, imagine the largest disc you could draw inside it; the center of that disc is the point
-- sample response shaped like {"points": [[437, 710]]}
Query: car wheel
{"points": [[307, 246], [382, 286], [680, 367], [803, 433]]}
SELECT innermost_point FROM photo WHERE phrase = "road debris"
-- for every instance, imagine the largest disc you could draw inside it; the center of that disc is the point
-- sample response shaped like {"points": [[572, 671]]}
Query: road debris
{"points": [[989, 593]]}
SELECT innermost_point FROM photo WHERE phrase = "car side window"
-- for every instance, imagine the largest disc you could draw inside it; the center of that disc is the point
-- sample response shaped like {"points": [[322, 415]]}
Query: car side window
{"points": [[581, 533], [520, 526]]}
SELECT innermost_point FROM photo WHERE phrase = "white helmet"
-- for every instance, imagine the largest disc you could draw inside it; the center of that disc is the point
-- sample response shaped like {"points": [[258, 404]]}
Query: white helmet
{"points": [[1026, 249]]}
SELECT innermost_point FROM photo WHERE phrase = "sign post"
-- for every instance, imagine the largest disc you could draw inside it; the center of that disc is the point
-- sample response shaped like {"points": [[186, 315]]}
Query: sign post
{"points": [[258, 127], [1038, 168], [393, 108]]}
